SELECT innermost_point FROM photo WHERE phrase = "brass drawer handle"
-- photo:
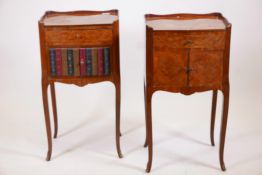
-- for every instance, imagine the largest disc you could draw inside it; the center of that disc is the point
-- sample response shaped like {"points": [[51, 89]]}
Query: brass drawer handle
{"points": [[188, 42]]}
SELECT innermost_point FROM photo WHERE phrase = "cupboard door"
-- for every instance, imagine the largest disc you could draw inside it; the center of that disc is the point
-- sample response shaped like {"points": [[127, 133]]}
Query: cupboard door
{"points": [[206, 68], [169, 67]]}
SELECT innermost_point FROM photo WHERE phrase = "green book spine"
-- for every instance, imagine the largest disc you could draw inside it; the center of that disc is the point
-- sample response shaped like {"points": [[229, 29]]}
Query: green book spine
{"points": [[76, 61], [70, 62], [52, 61], [94, 61], [89, 71], [64, 62], [106, 61]]}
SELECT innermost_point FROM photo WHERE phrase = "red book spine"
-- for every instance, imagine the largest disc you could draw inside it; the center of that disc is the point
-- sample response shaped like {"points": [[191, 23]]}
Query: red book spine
{"points": [[58, 59], [82, 58], [100, 60]]}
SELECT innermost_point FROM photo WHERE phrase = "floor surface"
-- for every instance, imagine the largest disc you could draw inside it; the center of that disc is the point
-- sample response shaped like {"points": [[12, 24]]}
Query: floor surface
{"points": [[86, 142]]}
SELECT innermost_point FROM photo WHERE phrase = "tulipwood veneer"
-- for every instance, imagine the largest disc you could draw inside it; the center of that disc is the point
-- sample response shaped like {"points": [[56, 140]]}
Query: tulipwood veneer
{"points": [[78, 29], [187, 53]]}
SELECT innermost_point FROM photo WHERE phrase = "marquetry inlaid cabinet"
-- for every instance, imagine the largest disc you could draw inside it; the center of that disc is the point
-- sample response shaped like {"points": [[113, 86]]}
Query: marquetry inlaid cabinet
{"points": [[187, 53], [79, 47]]}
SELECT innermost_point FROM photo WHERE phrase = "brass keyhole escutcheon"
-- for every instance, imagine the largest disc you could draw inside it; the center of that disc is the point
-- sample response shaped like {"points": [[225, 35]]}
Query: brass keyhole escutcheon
{"points": [[188, 70]]}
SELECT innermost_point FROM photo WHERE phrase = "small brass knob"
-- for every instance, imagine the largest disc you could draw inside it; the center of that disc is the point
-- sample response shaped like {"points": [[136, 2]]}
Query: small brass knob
{"points": [[77, 35], [188, 42]]}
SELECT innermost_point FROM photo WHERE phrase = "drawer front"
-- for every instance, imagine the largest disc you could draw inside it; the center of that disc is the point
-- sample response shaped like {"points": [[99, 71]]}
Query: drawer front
{"points": [[71, 37], [169, 67], [75, 62], [190, 39], [206, 68]]}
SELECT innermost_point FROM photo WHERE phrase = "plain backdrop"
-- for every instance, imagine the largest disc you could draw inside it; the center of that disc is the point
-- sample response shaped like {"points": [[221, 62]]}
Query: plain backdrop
{"points": [[86, 142]]}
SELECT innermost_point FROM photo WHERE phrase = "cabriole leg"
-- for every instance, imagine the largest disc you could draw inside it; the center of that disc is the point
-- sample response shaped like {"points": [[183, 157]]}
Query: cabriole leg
{"points": [[47, 118], [53, 96], [223, 127], [213, 117], [118, 134], [149, 129]]}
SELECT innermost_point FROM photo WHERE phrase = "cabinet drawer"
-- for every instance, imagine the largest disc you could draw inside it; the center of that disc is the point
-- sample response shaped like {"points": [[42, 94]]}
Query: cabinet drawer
{"points": [[190, 39], [75, 62], [70, 37]]}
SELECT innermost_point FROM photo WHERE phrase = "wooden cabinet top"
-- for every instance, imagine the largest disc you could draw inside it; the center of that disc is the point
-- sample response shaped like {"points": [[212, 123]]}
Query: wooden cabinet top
{"points": [[52, 18], [212, 21]]}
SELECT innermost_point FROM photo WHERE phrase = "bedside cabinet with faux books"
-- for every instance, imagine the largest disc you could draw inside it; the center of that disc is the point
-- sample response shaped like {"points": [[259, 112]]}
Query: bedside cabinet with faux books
{"points": [[80, 47]]}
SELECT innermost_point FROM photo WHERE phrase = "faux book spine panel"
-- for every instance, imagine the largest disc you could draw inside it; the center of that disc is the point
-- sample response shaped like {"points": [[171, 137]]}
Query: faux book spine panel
{"points": [[76, 61], [79, 61], [70, 62], [52, 61], [106, 61], [82, 62], [58, 58], [94, 62], [100, 61], [64, 62], [89, 62]]}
